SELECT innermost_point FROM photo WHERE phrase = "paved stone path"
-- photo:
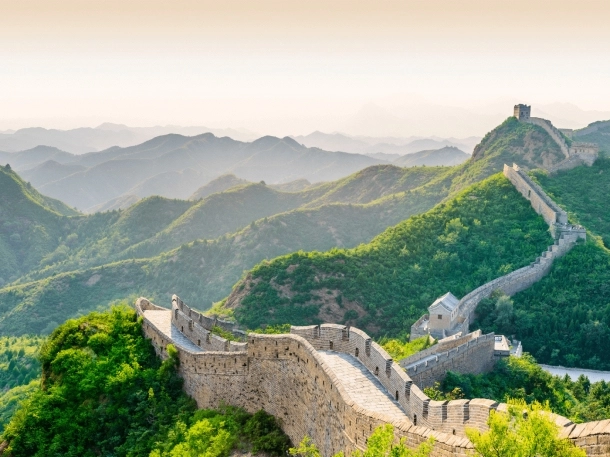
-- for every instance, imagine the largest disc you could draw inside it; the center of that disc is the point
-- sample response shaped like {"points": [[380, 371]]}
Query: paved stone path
{"points": [[361, 385], [162, 319]]}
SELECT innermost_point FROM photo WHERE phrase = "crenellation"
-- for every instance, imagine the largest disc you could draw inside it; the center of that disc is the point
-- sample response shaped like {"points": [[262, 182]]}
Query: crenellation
{"points": [[289, 376]]}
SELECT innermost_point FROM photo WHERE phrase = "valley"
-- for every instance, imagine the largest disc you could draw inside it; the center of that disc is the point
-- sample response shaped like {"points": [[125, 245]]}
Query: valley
{"points": [[370, 250]]}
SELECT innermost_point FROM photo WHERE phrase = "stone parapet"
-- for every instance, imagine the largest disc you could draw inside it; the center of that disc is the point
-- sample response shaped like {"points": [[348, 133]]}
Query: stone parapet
{"points": [[540, 201], [473, 356], [287, 376]]}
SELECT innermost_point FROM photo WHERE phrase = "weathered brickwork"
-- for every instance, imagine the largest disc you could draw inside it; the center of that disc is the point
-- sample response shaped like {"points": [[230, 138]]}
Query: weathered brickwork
{"points": [[540, 201], [289, 377], [476, 355]]}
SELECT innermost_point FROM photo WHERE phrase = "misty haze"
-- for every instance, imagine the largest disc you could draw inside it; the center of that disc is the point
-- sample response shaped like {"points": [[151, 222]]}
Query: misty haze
{"points": [[307, 228]]}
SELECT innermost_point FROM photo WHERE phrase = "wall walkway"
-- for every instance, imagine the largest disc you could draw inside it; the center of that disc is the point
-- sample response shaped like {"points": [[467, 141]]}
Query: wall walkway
{"points": [[329, 382]]}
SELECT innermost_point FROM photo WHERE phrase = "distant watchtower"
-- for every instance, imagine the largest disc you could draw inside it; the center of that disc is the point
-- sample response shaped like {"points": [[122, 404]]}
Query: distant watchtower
{"points": [[522, 112]]}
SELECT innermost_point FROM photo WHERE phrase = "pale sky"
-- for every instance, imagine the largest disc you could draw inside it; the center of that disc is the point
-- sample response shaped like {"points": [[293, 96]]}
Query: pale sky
{"points": [[292, 66]]}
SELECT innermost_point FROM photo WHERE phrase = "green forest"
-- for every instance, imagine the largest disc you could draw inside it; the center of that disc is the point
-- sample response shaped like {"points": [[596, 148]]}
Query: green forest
{"points": [[103, 391], [522, 378], [572, 303], [486, 231], [303, 257]]}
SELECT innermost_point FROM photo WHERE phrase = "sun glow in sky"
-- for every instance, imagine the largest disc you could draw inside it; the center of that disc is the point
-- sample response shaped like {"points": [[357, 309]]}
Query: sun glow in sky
{"points": [[292, 66]]}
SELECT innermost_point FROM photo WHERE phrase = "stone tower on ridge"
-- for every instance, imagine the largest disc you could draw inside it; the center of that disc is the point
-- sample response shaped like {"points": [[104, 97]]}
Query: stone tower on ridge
{"points": [[523, 112]]}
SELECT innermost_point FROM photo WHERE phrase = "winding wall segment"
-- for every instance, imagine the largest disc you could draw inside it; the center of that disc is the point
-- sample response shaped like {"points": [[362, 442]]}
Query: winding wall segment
{"points": [[553, 133], [523, 278], [292, 377]]}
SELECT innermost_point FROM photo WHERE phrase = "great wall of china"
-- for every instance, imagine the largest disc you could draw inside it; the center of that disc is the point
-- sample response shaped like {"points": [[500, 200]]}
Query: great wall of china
{"points": [[329, 382], [576, 153], [566, 236], [336, 385]]}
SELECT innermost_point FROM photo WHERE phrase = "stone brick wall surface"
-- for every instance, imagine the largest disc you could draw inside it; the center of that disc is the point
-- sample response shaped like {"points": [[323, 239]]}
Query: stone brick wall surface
{"points": [[287, 376]]}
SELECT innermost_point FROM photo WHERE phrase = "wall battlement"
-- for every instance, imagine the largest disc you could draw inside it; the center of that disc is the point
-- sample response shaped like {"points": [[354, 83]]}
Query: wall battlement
{"points": [[472, 353], [566, 236], [576, 154], [289, 377]]}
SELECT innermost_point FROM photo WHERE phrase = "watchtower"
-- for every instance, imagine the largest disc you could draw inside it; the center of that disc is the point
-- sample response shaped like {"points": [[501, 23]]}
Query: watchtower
{"points": [[523, 112]]}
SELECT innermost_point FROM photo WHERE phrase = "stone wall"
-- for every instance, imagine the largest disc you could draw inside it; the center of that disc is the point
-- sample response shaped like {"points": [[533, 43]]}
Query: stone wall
{"points": [[197, 328], [441, 346], [539, 200], [449, 417], [473, 356], [285, 376], [523, 278], [552, 131]]}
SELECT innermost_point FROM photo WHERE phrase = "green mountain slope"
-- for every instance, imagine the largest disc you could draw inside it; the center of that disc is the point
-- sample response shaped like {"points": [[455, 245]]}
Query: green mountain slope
{"points": [[30, 225], [201, 272], [583, 192], [564, 319], [376, 182], [447, 156], [220, 213], [512, 141], [596, 132], [155, 225], [67, 281], [571, 304], [484, 232]]}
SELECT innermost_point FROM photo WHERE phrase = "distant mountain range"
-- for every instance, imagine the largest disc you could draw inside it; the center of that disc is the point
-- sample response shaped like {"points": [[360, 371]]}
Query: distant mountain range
{"points": [[176, 166], [449, 155], [88, 139], [59, 263], [392, 146]]}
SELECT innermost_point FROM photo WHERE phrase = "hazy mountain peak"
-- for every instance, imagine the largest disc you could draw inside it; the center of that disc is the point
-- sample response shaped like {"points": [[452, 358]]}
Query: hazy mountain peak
{"points": [[112, 127]]}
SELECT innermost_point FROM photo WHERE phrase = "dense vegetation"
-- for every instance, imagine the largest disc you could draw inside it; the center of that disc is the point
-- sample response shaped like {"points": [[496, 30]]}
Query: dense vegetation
{"points": [[564, 319], [215, 433], [18, 360], [200, 271], [401, 348], [381, 443], [104, 392], [486, 231], [11, 400], [159, 246], [29, 225], [522, 378], [583, 192], [522, 431]]}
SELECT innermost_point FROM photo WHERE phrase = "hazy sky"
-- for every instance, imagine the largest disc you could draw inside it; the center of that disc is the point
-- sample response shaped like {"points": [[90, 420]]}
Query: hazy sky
{"points": [[293, 66]]}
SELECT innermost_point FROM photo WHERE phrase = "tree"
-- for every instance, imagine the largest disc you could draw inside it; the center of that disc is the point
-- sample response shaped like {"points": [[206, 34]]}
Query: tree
{"points": [[504, 314], [380, 444], [522, 431], [306, 448]]}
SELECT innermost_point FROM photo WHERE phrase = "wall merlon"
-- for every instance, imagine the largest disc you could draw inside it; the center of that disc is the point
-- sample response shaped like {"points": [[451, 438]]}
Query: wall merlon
{"points": [[288, 377]]}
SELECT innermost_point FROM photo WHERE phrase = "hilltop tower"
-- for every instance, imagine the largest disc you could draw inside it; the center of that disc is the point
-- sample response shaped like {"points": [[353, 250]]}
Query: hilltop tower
{"points": [[523, 112]]}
